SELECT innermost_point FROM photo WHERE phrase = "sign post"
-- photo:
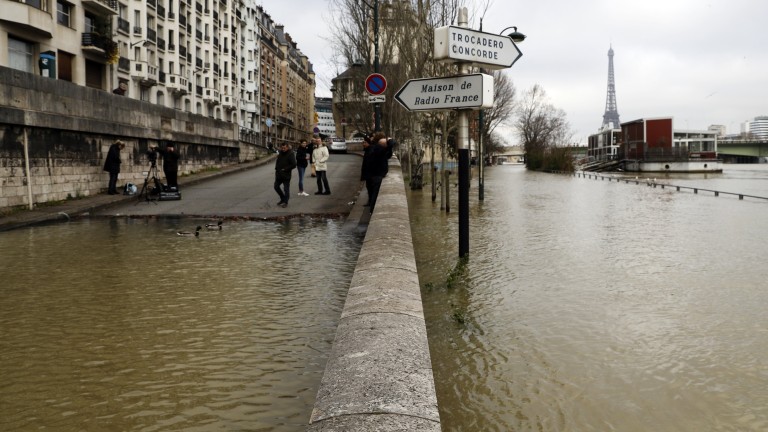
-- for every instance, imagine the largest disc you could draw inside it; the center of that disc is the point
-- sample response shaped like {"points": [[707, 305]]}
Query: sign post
{"points": [[463, 92], [375, 85]]}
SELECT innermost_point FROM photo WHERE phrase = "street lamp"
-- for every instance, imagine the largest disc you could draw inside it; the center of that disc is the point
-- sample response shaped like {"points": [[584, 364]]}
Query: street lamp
{"points": [[516, 36], [143, 43]]}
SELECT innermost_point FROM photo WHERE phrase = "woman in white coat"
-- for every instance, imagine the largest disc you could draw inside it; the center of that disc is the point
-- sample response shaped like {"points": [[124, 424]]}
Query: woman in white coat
{"points": [[320, 157]]}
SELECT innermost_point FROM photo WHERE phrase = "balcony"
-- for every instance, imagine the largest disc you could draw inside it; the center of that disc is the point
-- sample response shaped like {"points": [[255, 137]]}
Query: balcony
{"points": [[229, 102], [123, 25], [95, 42], [145, 73], [124, 64], [211, 96], [29, 17], [101, 7], [177, 84]]}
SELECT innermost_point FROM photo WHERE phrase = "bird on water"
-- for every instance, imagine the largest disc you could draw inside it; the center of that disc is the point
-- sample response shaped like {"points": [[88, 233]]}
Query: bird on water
{"points": [[189, 233]]}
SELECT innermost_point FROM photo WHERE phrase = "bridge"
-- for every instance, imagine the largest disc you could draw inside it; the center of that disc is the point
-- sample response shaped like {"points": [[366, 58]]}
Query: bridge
{"points": [[752, 150]]}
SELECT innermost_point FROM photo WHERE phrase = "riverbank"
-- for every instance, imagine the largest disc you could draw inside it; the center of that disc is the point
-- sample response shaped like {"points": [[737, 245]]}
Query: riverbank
{"points": [[379, 375]]}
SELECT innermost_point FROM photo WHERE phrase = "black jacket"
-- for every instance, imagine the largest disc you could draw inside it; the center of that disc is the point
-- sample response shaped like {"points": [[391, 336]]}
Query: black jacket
{"points": [[170, 159], [112, 164], [301, 156], [379, 159], [284, 164]]}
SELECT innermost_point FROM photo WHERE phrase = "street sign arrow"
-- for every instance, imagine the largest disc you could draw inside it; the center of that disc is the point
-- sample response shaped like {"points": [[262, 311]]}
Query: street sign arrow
{"points": [[465, 45], [458, 92]]}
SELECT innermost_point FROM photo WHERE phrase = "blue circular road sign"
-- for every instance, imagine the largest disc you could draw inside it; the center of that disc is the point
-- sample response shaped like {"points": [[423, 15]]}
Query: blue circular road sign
{"points": [[375, 84]]}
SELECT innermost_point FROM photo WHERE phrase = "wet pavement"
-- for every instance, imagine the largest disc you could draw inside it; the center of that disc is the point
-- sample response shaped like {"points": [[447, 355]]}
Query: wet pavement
{"points": [[243, 191]]}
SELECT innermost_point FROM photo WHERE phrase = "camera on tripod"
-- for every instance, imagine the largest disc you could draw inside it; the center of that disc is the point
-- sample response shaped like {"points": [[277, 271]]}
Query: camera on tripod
{"points": [[152, 155]]}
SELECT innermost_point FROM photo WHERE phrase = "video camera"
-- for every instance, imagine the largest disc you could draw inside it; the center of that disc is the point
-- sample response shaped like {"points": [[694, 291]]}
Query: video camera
{"points": [[152, 155]]}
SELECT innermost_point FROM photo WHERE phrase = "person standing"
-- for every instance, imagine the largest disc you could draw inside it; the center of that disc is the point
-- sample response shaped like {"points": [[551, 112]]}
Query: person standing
{"points": [[365, 167], [170, 164], [379, 164], [284, 164], [112, 165], [320, 156], [302, 161]]}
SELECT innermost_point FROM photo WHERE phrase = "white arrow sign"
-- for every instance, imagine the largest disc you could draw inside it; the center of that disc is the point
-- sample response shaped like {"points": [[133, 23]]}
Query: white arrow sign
{"points": [[458, 92], [486, 50]]}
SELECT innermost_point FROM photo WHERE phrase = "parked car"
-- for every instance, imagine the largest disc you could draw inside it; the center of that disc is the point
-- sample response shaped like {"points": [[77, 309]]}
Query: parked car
{"points": [[337, 145]]}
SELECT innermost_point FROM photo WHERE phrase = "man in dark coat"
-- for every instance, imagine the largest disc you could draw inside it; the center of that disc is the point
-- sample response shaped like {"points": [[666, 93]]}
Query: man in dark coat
{"points": [[378, 165], [112, 165], [284, 164], [170, 164]]}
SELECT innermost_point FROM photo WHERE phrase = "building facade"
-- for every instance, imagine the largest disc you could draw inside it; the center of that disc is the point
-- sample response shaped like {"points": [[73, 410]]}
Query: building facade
{"points": [[225, 60]]}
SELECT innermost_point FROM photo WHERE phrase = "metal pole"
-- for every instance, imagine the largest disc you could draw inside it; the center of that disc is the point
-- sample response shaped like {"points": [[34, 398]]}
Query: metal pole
{"points": [[480, 149], [480, 158], [463, 137], [376, 106]]}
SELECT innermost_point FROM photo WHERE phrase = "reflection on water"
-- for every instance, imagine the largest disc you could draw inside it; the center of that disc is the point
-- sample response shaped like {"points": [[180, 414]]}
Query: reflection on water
{"points": [[593, 305], [123, 325]]}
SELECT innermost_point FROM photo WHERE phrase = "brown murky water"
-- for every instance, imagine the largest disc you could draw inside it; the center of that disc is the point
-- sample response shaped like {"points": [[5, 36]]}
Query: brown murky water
{"points": [[599, 306], [121, 325]]}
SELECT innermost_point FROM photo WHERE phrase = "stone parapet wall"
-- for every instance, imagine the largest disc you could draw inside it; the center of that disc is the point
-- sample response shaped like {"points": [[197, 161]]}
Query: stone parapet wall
{"points": [[379, 374], [63, 131]]}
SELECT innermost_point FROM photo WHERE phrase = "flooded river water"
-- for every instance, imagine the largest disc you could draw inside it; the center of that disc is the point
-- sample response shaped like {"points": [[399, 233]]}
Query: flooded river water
{"points": [[121, 325], [599, 306]]}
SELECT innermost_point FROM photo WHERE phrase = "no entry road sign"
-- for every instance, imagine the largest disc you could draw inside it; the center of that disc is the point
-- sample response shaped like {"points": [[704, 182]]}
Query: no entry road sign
{"points": [[459, 92], [375, 84]]}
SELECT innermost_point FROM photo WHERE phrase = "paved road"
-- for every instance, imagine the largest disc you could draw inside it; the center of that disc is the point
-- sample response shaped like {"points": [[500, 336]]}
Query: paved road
{"points": [[250, 194], [243, 191]]}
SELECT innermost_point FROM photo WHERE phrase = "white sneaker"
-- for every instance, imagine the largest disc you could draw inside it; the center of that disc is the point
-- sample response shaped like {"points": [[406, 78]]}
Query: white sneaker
{"points": [[304, 194]]}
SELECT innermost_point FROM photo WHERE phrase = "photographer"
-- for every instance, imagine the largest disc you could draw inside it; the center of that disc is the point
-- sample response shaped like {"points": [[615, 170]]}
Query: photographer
{"points": [[170, 163]]}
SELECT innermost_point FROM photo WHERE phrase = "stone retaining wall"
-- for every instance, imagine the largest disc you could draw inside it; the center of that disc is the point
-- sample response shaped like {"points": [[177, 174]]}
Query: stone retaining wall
{"points": [[63, 131], [379, 374]]}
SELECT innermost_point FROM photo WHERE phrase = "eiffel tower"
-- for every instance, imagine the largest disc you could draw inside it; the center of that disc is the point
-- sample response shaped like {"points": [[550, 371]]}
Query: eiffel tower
{"points": [[611, 116]]}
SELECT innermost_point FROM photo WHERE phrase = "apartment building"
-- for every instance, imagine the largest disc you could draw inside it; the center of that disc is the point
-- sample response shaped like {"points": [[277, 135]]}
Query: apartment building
{"points": [[224, 59]]}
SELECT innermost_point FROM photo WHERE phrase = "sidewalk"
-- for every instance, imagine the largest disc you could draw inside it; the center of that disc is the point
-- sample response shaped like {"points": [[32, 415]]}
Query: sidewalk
{"points": [[69, 209]]}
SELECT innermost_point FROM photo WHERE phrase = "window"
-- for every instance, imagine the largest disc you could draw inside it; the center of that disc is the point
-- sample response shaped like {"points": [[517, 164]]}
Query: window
{"points": [[20, 55], [63, 12]]}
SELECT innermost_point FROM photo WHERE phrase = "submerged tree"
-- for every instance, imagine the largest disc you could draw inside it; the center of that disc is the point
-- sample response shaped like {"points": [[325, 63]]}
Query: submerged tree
{"points": [[544, 132]]}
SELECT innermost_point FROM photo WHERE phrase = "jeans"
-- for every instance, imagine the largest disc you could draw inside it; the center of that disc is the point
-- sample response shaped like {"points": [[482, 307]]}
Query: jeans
{"points": [[301, 170], [284, 195]]}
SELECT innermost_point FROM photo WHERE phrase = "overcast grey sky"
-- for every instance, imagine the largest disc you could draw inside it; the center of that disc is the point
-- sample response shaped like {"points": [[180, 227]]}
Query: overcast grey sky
{"points": [[701, 62]]}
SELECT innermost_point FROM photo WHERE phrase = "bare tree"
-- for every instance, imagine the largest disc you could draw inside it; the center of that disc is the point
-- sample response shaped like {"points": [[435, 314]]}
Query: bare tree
{"points": [[541, 127]]}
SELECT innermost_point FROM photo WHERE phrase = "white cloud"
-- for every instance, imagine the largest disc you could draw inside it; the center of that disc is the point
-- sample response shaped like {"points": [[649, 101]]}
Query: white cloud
{"points": [[701, 62]]}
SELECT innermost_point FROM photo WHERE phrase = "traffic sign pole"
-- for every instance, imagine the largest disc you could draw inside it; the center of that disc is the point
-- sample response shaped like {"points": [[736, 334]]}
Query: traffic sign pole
{"points": [[463, 162]]}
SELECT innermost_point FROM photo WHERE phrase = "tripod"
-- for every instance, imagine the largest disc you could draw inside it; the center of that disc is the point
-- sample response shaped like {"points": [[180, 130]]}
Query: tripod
{"points": [[147, 191]]}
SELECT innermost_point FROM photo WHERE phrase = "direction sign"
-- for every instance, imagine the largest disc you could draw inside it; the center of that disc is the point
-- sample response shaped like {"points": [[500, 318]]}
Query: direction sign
{"points": [[375, 84], [459, 92], [486, 50]]}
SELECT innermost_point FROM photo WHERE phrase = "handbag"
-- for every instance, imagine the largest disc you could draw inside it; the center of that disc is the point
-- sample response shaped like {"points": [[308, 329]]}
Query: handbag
{"points": [[314, 174]]}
